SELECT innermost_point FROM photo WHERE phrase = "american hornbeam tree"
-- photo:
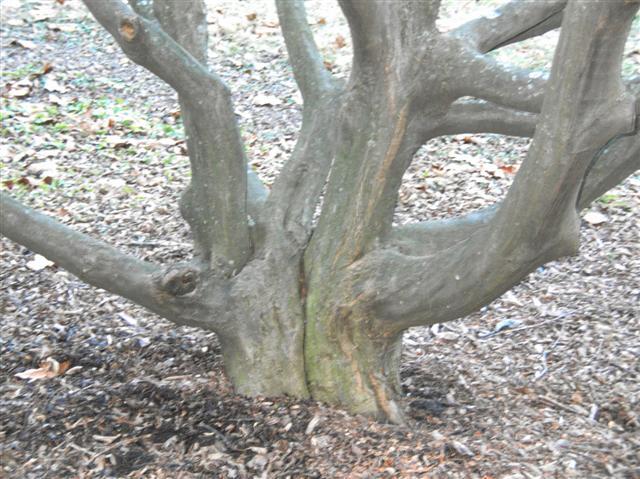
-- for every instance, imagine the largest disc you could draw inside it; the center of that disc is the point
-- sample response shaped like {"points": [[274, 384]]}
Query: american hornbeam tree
{"points": [[316, 307]]}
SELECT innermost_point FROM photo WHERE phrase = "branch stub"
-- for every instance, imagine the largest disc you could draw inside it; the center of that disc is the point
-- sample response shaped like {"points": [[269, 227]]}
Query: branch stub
{"points": [[128, 28]]}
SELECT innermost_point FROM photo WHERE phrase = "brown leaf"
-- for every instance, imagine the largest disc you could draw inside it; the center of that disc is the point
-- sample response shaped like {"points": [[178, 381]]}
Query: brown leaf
{"points": [[252, 16], [24, 181], [49, 368], [322, 21], [340, 41], [509, 169]]}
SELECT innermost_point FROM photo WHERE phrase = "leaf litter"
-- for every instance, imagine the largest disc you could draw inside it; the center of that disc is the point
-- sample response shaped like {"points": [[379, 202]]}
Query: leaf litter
{"points": [[543, 382]]}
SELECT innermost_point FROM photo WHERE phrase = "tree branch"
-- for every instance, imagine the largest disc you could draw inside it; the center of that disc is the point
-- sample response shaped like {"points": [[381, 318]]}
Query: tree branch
{"points": [[294, 197], [91, 260], [313, 79], [215, 204], [513, 22], [166, 292], [484, 117], [483, 77], [538, 220]]}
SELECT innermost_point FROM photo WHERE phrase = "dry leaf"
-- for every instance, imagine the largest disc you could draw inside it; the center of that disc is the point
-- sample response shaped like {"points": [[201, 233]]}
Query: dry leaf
{"points": [[252, 16], [19, 91], [49, 368], [448, 336], [340, 41], [38, 263], [62, 27], [595, 218], [28, 44], [266, 100], [52, 85]]}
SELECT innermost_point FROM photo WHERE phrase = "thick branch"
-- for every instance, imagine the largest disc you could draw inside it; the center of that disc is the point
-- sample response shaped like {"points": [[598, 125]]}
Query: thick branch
{"points": [[296, 192], [215, 204], [483, 77], [513, 22], [313, 79], [484, 117]]}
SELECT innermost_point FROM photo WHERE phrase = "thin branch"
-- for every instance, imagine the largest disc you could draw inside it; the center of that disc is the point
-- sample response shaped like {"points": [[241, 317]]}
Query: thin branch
{"points": [[313, 79], [513, 22], [215, 204], [485, 117]]}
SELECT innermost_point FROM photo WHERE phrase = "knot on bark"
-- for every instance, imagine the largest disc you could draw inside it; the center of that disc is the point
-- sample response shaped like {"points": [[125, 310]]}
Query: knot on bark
{"points": [[128, 28], [179, 281]]}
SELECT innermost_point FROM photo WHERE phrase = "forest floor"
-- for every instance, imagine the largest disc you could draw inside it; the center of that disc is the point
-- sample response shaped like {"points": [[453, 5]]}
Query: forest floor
{"points": [[544, 382]]}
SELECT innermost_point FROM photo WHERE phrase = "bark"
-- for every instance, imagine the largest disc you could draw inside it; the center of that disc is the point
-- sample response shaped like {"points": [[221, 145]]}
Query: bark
{"points": [[317, 308], [215, 203], [513, 22]]}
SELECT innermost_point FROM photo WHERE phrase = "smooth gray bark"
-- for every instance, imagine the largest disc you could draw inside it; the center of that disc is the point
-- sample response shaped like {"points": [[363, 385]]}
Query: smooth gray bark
{"points": [[317, 308]]}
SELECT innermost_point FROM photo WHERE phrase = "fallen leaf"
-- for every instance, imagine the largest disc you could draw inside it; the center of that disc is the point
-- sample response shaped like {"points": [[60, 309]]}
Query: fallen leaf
{"points": [[28, 44], [24, 181], [42, 13], [448, 336], [266, 100], [252, 16], [49, 368], [19, 91], [115, 141], [595, 218], [62, 27], [52, 85], [312, 424], [43, 168], [509, 169], [39, 263], [340, 42]]}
